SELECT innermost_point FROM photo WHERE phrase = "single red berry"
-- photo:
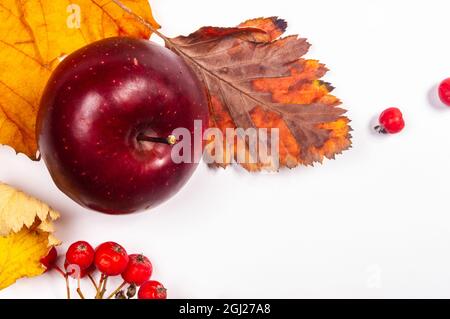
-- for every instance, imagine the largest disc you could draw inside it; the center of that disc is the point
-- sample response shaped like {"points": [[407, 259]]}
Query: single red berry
{"points": [[152, 290], [74, 270], [391, 121], [80, 253], [49, 260], [111, 259], [444, 91], [138, 271]]}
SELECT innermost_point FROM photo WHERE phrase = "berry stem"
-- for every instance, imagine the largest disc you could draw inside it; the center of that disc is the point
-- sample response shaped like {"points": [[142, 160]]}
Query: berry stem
{"points": [[66, 276], [80, 293], [117, 290], [59, 270], [103, 291], [170, 140], [100, 285], [93, 282]]}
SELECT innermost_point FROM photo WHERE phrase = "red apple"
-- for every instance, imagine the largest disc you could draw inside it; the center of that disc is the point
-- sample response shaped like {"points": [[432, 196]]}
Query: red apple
{"points": [[104, 113]]}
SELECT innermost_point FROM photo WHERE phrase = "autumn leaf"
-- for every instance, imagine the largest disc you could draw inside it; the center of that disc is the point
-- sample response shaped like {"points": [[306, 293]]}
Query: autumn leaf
{"points": [[26, 227], [256, 79], [20, 255], [34, 36]]}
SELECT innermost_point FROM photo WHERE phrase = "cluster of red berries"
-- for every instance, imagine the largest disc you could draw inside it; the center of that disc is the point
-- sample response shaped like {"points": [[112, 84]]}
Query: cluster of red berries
{"points": [[391, 120], [111, 259]]}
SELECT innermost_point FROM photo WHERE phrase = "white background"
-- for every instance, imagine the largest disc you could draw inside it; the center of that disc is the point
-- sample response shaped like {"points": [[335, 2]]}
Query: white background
{"points": [[373, 223]]}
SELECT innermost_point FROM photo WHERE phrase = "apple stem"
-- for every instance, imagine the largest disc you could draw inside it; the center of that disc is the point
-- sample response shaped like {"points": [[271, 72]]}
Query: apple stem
{"points": [[170, 140]]}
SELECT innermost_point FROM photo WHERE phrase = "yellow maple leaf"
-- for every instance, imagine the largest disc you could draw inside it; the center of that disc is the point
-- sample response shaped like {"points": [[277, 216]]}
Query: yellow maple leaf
{"points": [[34, 36], [20, 255], [26, 227]]}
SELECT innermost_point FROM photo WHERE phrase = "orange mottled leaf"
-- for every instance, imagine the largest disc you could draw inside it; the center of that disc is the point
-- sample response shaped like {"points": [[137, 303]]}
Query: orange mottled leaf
{"points": [[273, 27], [257, 79]]}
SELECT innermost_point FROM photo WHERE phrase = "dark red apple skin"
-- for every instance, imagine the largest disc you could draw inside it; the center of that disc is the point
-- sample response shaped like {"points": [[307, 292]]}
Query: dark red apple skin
{"points": [[98, 100]]}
